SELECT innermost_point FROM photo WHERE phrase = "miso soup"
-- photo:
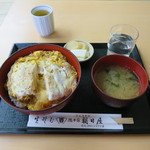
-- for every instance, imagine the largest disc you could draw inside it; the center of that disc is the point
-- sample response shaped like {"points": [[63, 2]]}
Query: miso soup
{"points": [[117, 82]]}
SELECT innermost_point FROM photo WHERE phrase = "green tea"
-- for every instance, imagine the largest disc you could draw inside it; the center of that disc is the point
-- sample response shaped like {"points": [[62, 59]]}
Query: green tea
{"points": [[41, 13]]}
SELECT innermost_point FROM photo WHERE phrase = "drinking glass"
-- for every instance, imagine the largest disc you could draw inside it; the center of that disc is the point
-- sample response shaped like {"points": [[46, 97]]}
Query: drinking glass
{"points": [[122, 39]]}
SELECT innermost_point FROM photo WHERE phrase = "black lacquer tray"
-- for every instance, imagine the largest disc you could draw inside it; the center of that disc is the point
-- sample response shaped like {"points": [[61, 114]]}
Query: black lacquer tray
{"points": [[85, 101]]}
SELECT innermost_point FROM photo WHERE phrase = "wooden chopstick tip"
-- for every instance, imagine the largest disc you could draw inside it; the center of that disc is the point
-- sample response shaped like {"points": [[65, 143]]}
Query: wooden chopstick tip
{"points": [[124, 120]]}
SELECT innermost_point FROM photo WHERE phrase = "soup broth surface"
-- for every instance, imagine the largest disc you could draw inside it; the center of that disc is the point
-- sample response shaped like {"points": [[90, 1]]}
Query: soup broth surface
{"points": [[117, 82]]}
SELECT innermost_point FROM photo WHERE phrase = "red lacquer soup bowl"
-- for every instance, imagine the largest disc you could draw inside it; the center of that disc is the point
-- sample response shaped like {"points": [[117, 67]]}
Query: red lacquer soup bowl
{"points": [[127, 63], [5, 68]]}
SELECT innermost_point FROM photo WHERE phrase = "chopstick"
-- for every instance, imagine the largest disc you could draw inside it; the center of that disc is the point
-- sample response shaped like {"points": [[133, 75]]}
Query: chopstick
{"points": [[124, 120]]}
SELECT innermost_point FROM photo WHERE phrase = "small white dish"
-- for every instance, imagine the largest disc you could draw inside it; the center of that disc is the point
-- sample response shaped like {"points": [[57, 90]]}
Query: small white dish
{"points": [[86, 45]]}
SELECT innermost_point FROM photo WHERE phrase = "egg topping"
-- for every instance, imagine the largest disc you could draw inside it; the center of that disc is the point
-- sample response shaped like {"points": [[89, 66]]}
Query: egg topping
{"points": [[40, 80]]}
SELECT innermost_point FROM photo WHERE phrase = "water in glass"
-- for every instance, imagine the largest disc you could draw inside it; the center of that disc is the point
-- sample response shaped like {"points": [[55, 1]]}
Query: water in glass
{"points": [[120, 44]]}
